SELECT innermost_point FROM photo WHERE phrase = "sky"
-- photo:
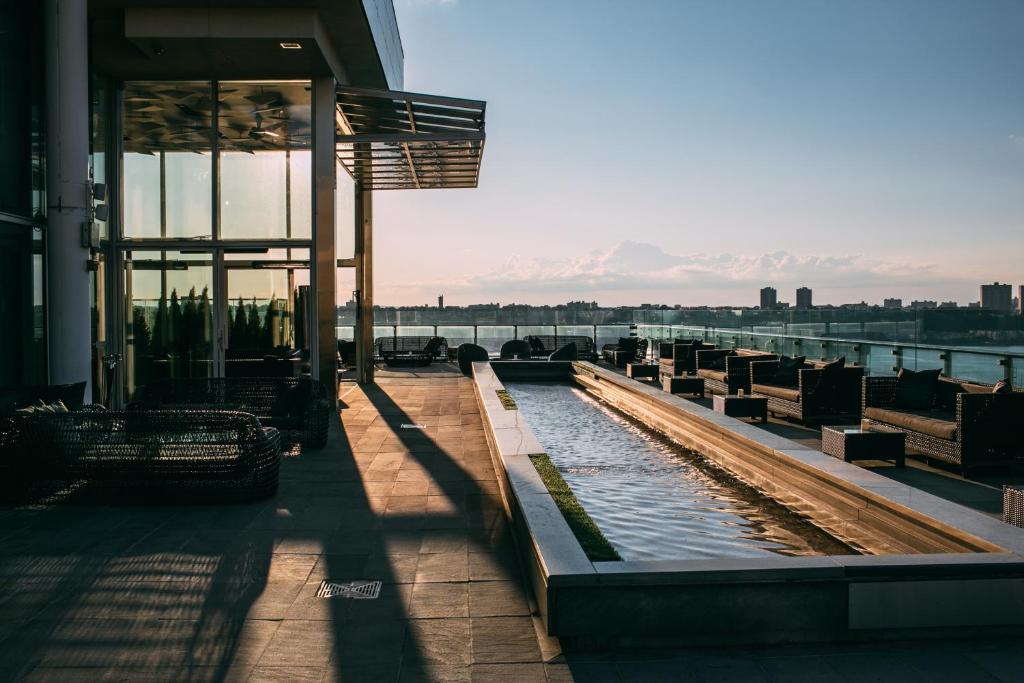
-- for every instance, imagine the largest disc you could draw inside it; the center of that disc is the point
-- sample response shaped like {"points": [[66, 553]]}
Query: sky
{"points": [[691, 152]]}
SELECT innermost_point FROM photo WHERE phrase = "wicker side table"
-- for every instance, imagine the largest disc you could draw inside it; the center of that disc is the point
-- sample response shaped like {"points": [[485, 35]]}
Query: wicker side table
{"points": [[754, 407], [683, 385], [852, 443], [1013, 506]]}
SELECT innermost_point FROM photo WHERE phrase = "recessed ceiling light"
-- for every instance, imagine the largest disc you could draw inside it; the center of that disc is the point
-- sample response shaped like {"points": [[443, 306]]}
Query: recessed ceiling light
{"points": [[291, 46]]}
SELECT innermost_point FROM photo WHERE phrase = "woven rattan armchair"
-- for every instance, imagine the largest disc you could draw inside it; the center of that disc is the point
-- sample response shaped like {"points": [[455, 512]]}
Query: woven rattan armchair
{"points": [[142, 456], [981, 429], [810, 401], [678, 358], [726, 371], [543, 345], [298, 407]]}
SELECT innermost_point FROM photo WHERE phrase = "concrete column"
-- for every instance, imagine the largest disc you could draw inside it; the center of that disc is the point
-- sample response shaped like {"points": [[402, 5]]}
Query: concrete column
{"points": [[324, 268], [364, 282], [67, 191]]}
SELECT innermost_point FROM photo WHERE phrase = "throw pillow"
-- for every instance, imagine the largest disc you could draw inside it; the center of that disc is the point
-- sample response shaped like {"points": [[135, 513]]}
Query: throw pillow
{"points": [[828, 378], [916, 390], [788, 373], [945, 394], [1002, 387]]}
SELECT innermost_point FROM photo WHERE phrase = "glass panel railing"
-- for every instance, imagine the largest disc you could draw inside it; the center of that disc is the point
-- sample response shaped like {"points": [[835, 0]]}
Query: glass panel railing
{"points": [[491, 337], [457, 334]]}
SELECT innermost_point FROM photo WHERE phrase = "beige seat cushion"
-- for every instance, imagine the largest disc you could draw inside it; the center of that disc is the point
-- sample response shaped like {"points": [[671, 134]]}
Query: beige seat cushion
{"points": [[933, 423], [712, 374], [776, 391]]}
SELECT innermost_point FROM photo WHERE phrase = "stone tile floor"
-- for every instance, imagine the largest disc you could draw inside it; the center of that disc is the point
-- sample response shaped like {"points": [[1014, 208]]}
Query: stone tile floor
{"points": [[228, 592]]}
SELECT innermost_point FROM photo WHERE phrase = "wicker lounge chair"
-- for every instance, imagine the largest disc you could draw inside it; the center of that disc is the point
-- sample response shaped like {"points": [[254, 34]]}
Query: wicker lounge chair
{"points": [[817, 396], [627, 350], [567, 352], [543, 345], [298, 407], [411, 350], [965, 423], [468, 354], [726, 371], [678, 358], [515, 348], [142, 456]]}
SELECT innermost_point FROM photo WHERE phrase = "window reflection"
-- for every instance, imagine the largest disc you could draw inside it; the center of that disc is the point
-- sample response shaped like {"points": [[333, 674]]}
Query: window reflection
{"points": [[264, 137]]}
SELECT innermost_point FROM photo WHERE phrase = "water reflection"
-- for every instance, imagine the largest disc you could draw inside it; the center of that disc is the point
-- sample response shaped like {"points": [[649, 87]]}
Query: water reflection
{"points": [[652, 498]]}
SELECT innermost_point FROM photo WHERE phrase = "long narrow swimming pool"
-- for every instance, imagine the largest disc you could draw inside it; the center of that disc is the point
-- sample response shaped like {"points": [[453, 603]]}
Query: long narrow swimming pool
{"points": [[653, 499]]}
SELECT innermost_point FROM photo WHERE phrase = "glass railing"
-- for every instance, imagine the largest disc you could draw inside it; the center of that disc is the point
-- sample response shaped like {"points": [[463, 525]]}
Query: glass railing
{"points": [[982, 364]]}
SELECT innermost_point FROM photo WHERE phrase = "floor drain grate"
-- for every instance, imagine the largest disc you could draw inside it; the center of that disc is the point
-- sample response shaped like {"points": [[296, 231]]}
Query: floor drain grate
{"points": [[357, 590], [406, 425]]}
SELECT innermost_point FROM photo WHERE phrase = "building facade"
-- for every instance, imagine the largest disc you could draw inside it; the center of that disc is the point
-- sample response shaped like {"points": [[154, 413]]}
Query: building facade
{"points": [[997, 297], [804, 298], [769, 297], [186, 189]]}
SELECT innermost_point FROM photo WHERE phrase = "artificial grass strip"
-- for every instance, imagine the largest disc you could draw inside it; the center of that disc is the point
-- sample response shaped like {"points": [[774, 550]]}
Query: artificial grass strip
{"points": [[507, 402], [593, 542]]}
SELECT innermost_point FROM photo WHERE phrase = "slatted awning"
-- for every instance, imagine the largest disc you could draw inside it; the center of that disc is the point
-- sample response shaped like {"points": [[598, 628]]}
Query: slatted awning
{"points": [[391, 140]]}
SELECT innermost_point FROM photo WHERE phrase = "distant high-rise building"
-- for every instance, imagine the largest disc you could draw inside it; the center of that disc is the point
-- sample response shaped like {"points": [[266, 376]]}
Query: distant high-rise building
{"points": [[892, 303], [997, 297], [440, 301], [927, 303], [1020, 299], [769, 297], [948, 304], [803, 298]]}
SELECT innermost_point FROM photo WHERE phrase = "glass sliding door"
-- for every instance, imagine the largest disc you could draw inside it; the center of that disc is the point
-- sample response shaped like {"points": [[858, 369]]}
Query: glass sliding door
{"points": [[169, 302], [268, 299]]}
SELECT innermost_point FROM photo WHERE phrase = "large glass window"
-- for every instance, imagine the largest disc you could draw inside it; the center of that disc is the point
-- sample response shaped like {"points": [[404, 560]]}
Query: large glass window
{"points": [[264, 138], [168, 166], [21, 114]]}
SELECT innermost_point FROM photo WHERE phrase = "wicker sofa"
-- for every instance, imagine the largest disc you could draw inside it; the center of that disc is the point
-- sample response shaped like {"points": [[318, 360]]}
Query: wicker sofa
{"points": [[967, 425], [411, 350], [142, 456], [627, 350], [726, 371], [298, 407], [543, 345], [811, 400], [678, 358]]}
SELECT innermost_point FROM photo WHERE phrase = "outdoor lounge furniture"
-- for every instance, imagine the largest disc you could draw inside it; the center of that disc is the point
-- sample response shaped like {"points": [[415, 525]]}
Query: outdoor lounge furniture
{"points": [[298, 407], [679, 357], [683, 385], [627, 350], [469, 354], [515, 348], [851, 443], [411, 350], [819, 394], [960, 423], [543, 345], [726, 371], [567, 352], [753, 407], [641, 371], [1013, 505], [346, 354], [141, 456]]}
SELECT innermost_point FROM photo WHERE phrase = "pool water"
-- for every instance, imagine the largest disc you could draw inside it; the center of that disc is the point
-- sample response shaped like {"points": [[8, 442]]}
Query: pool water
{"points": [[653, 499]]}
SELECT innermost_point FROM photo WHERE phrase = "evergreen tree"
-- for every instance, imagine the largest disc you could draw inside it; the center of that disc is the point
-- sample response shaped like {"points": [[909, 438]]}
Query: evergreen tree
{"points": [[239, 336], [205, 327], [253, 324], [300, 318], [190, 322], [174, 326], [161, 327], [140, 332], [271, 323]]}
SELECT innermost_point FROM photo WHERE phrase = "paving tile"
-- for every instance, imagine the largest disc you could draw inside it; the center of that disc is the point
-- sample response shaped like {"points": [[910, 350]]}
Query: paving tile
{"points": [[287, 674], [434, 600], [438, 641], [497, 599], [509, 673], [504, 639], [439, 567], [299, 643]]}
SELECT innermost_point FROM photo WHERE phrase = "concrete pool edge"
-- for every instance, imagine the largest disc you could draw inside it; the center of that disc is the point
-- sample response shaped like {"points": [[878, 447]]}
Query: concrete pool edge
{"points": [[780, 599]]}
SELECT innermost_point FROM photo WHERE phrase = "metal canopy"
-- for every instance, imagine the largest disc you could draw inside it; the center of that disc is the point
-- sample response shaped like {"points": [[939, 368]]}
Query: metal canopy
{"points": [[391, 140]]}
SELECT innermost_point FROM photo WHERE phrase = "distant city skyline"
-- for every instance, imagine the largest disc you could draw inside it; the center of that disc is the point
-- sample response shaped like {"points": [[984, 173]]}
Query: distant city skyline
{"points": [[866, 150]]}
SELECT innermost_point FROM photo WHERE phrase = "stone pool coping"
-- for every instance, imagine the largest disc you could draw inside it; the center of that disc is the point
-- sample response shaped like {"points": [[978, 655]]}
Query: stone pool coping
{"points": [[595, 604]]}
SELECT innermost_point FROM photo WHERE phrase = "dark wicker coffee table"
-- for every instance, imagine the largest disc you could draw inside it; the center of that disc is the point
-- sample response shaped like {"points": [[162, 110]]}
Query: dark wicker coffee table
{"points": [[1013, 505], [850, 443], [642, 370], [741, 406], [683, 385]]}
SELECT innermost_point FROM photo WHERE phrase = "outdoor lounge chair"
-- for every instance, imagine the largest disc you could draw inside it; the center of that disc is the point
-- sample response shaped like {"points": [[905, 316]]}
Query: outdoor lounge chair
{"points": [[627, 350], [726, 371], [298, 407], [543, 345], [411, 350], [678, 358], [141, 456], [964, 424], [820, 393], [468, 354], [515, 348], [567, 352]]}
